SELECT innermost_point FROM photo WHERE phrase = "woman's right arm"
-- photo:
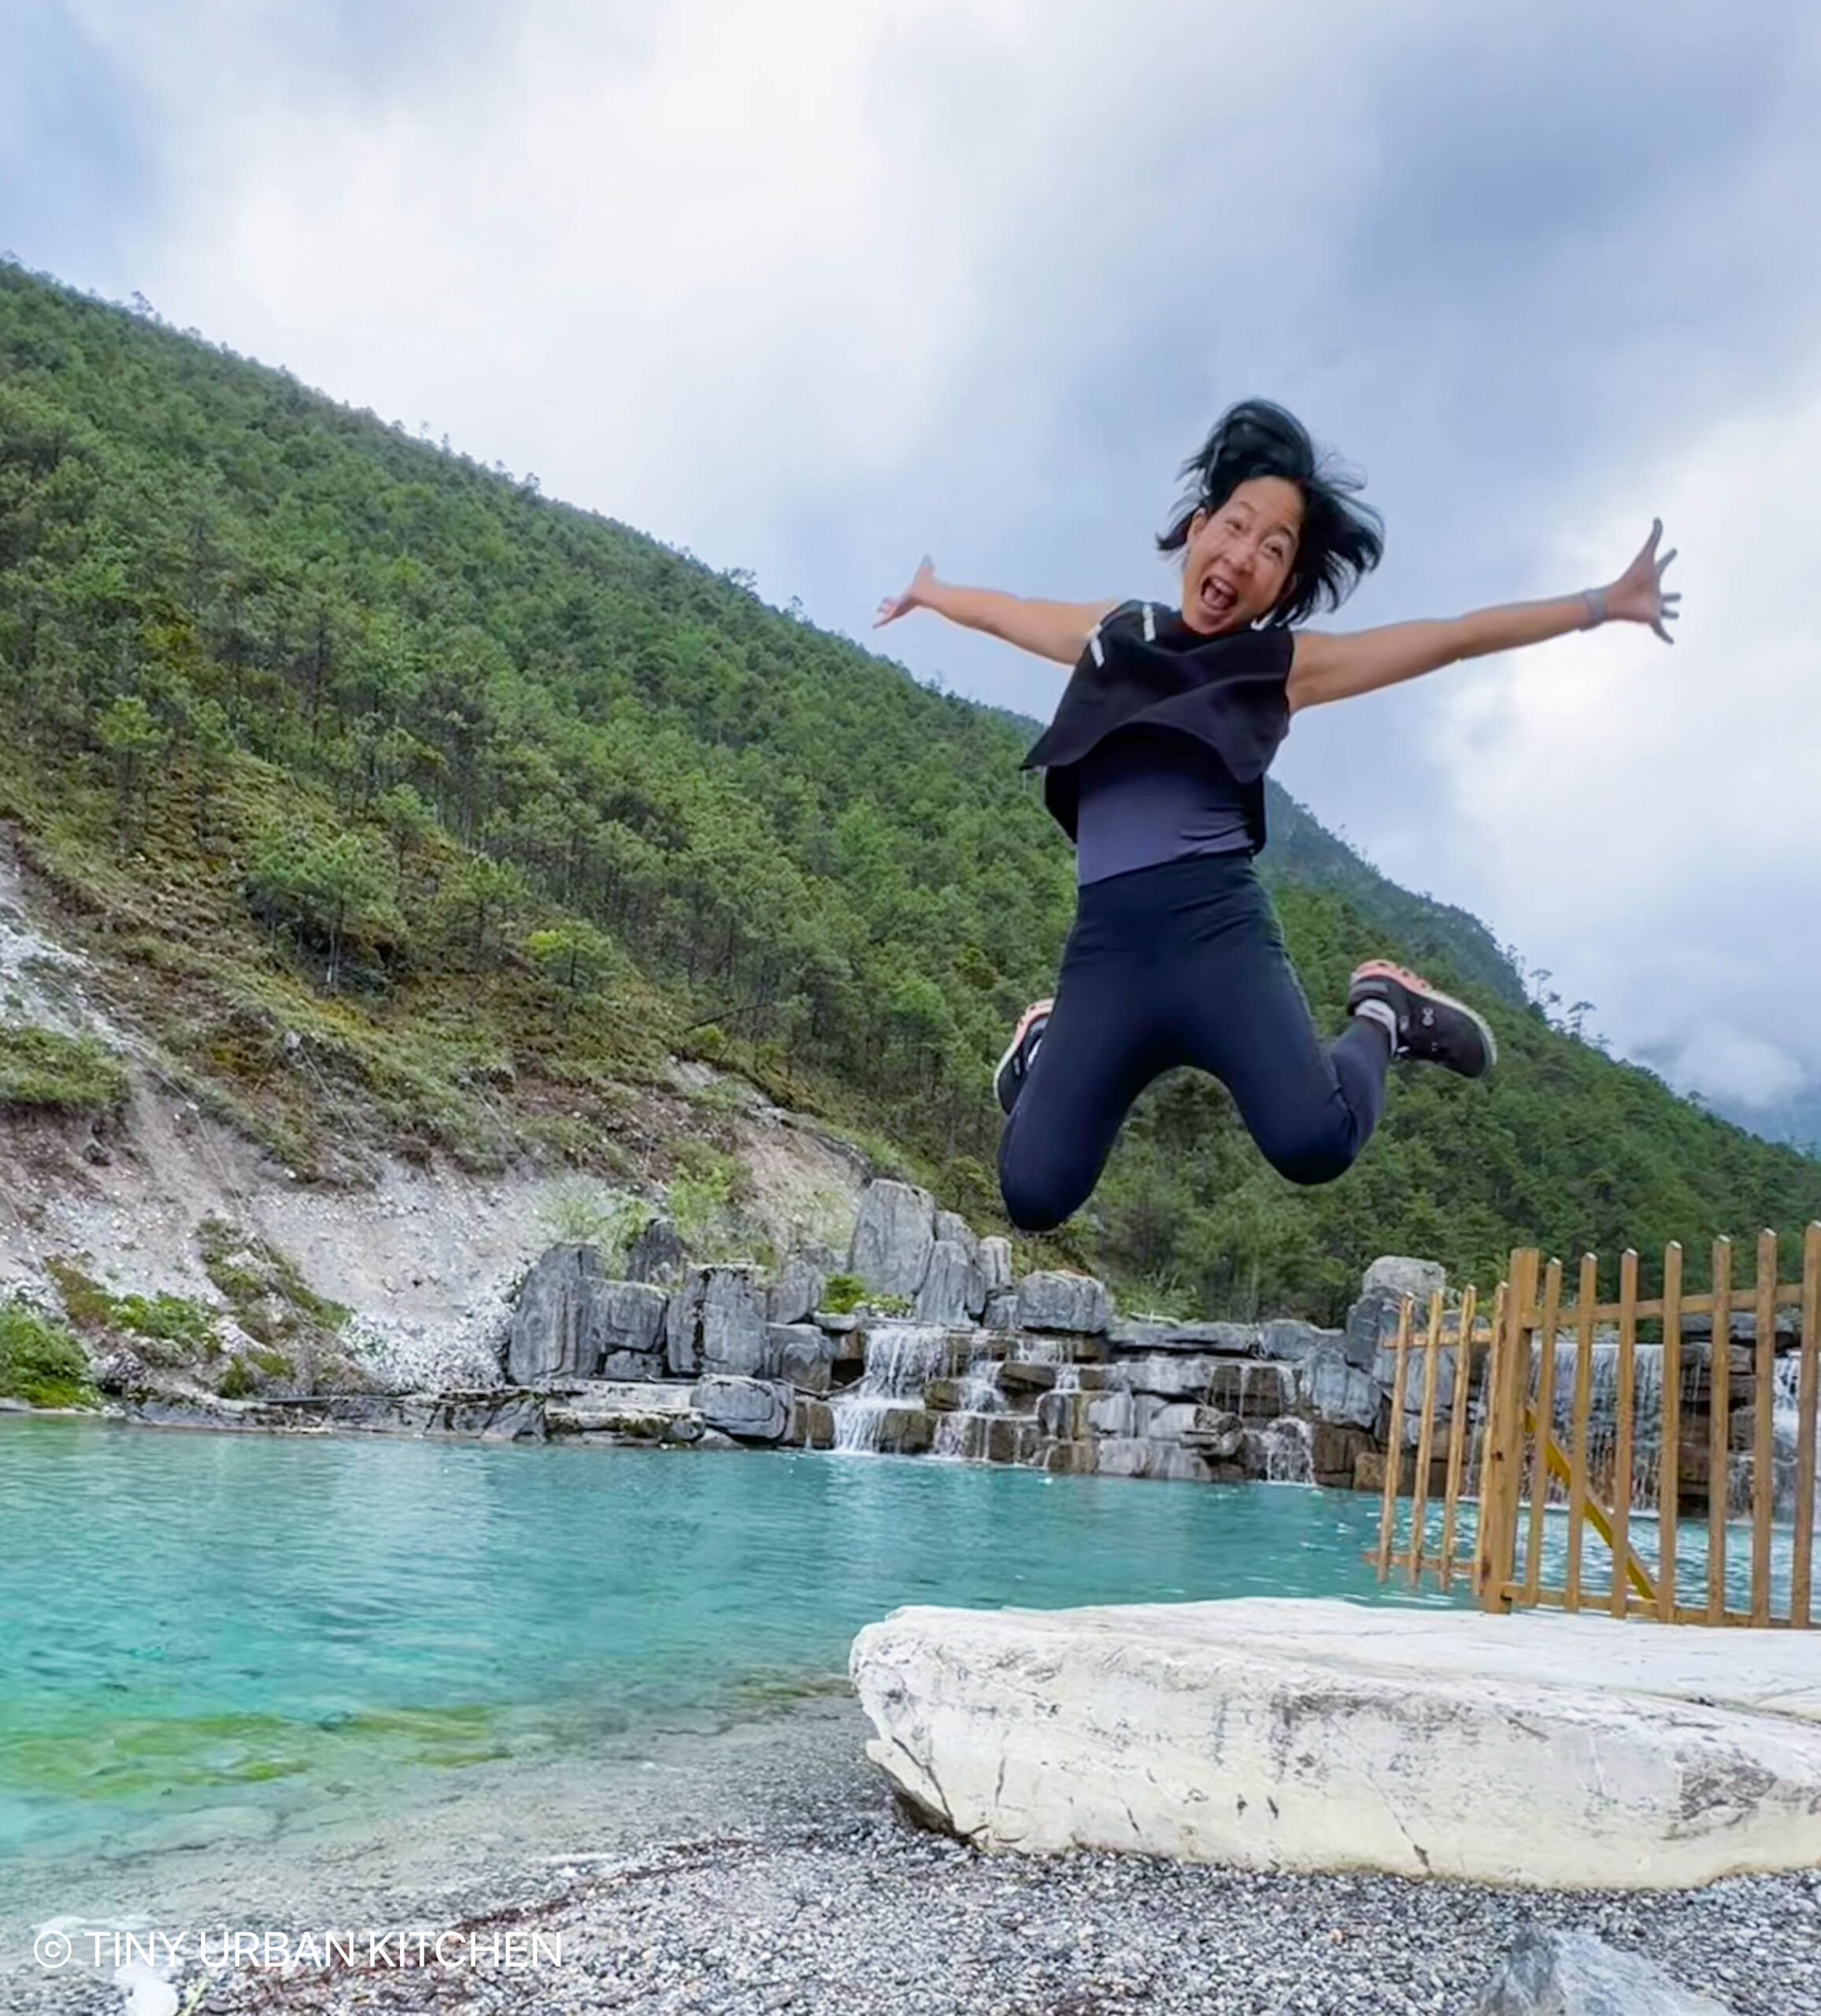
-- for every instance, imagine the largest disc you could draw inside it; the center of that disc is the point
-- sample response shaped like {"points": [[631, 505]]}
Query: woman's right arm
{"points": [[1057, 630]]}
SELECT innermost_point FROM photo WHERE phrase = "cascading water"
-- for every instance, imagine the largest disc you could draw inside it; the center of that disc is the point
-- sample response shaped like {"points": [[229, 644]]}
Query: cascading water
{"points": [[1288, 1446], [961, 1434], [901, 1358], [1603, 1412], [1786, 1427]]}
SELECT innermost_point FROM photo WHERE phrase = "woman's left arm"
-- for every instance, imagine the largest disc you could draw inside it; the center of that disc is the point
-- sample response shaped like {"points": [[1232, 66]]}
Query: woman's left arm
{"points": [[1325, 667]]}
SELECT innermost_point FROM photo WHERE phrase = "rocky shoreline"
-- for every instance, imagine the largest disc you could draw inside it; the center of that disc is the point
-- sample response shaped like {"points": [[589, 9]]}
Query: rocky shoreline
{"points": [[850, 1913], [928, 1343]]}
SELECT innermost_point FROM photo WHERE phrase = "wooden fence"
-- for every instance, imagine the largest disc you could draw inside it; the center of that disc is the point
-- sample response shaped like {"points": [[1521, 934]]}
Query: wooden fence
{"points": [[1689, 1455]]}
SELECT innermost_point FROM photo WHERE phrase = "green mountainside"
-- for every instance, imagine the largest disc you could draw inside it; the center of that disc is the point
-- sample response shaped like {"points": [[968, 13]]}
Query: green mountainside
{"points": [[400, 806]]}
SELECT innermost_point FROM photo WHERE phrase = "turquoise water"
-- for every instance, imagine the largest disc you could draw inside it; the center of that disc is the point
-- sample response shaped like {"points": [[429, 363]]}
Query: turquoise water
{"points": [[192, 1620]]}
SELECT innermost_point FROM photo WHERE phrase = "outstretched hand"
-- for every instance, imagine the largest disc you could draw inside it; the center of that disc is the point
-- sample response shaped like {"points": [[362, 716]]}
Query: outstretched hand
{"points": [[1636, 596], [894, 606]]}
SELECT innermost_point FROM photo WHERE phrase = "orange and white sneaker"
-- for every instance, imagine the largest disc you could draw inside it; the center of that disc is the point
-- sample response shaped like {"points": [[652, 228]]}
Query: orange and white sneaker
{"points": [[1423, 1023], [1014, 1067]]}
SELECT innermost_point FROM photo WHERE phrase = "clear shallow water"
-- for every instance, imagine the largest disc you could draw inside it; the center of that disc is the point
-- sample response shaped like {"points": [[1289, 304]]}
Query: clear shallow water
{"points": [[240, 1625]]}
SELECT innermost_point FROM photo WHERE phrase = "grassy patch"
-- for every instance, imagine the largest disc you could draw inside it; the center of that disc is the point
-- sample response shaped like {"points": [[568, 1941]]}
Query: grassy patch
{"points": [[585, 1213], [38, 1068], [40, 1362], [169, 1328], [271, 1300]]}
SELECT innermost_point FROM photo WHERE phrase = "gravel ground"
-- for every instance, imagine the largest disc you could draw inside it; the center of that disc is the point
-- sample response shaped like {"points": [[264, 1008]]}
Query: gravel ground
{"points": [[864, 1916]]}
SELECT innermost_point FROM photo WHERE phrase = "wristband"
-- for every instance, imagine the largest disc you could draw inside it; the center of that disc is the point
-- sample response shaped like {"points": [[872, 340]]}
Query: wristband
{"points": [[1595, 599]]}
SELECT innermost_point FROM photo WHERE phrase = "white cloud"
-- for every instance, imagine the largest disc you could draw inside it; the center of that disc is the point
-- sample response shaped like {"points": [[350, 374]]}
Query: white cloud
{"points": [[813, 286], [1648, 822], [733, 273]]}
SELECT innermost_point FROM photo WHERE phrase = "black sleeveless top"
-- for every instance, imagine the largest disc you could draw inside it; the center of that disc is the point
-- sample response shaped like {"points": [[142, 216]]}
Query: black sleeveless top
{"points": [[1145, 667]]}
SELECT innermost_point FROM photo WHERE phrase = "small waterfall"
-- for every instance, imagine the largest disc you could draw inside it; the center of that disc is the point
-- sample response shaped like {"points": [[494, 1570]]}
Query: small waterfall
{"points": [[1603, 1412], [1067, 1377], [1278, 1382], [1785, 1426], [901, 1358], [962, 1434], [1289, 1448]]}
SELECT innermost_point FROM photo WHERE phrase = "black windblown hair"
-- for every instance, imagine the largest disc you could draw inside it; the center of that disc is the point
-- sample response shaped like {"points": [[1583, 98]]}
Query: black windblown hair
{"points": [[1342, 538]]}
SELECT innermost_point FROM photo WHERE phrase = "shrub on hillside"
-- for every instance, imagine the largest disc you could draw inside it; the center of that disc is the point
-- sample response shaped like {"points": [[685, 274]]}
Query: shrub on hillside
{"points": [[73, 1074], [40, 1361]]}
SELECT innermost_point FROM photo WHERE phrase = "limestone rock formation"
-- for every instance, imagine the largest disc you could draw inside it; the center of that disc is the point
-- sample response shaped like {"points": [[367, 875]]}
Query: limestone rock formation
{"points": [[795, 1294], [1001, 1310], [750, 1409], [657, 1255], [717, 1322], [1289, 1337], [1396, 1275], [952, 1227], [570, 1316], [953, 1292], [1333, 1389], [1532, 1750], [893, 1234], [625, 1411], [802, 1355], [994, 1258], [1057, 1301]]}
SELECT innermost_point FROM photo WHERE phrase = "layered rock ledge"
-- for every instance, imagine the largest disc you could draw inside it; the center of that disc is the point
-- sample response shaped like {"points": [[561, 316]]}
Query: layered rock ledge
{"points": [[1309, 1736]]}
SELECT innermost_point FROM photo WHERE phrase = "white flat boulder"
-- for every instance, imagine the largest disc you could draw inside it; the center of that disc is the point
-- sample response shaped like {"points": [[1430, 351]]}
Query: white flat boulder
{"points": [[1533, 1750]]}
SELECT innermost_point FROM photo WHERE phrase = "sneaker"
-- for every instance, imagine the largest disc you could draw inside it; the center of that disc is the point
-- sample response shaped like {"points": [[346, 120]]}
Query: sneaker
{"points": [[1014, 1067], [1423, 1022]]}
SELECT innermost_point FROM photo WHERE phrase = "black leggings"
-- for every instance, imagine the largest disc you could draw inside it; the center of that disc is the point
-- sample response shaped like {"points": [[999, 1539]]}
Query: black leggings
{"points": [[1183, 964]]}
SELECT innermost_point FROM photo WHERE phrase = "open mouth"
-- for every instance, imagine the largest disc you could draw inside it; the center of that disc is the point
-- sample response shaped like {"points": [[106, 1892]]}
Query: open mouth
{"points": [[1217, 600]]}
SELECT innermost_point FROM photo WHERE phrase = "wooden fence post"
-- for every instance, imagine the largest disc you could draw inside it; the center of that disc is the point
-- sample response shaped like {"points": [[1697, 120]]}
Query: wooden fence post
{"points": [[1624, 1399], [1764, 1401], [1502, 1473], [1669, 1453], [1808, 1379], [1719, 1393]]}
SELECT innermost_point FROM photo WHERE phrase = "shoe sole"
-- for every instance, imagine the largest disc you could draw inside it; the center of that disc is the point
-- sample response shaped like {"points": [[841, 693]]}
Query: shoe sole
{"points": [[1417, 984], [1011, 1051]]}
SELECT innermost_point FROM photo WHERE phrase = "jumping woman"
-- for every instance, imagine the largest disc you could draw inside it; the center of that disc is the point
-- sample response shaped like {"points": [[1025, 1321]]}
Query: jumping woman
{"points": [[1154, 765]]}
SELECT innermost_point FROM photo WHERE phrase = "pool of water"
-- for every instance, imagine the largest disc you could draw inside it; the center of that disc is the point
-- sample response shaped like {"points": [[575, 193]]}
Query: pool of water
{"points": [[198, 1623]]}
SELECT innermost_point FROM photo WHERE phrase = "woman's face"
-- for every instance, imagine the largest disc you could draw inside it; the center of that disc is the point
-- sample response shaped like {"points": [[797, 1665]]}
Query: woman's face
{"points": [[1239, 555]]}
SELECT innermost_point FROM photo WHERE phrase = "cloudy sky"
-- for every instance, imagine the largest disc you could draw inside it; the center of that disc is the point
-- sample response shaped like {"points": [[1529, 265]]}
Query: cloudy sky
{"points": [[816, 287]]}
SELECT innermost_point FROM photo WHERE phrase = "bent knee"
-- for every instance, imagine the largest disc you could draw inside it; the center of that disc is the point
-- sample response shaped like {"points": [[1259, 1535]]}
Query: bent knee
{"points": [[1034, 1207], [1310, 1160], [1039, 1199]]}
